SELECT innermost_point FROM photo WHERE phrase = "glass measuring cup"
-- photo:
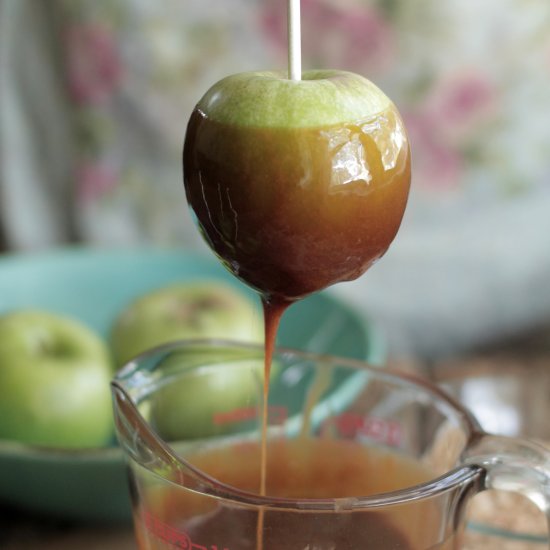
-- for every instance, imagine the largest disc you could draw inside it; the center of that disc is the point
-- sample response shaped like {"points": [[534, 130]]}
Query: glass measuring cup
{"points": [[358, 457]]}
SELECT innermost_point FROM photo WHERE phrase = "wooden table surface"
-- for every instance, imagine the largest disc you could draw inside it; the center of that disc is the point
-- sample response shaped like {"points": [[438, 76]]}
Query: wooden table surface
{"points": [[22, 532]]}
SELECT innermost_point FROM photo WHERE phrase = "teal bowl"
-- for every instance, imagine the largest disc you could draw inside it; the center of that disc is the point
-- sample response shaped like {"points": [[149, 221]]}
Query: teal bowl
{"points": [[93, 286]]}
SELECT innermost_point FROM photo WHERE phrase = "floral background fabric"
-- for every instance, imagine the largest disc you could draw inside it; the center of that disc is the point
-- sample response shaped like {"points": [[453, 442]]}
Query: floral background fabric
{"points": [[95, 98]]}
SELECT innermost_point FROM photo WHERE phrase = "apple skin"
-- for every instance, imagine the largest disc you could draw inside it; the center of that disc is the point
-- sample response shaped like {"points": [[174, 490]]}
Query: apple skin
{"points": [[54, 381], [184, 311], [270, 100], [195, 405]]}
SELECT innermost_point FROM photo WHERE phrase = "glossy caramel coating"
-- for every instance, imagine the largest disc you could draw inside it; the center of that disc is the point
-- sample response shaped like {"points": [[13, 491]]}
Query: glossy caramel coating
{"points": [[291, 211]]}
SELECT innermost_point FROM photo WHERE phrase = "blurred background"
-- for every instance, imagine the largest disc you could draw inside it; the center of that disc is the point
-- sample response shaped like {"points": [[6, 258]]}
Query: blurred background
{"points": [[95, 97]]}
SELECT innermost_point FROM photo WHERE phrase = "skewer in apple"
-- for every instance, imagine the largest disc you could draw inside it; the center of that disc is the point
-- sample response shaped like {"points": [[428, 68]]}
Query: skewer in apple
{"points": [[296, 183]]}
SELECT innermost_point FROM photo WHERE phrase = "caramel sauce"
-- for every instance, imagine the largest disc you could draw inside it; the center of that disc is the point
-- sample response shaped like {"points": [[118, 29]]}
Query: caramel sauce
{"points": [[292, 211], [307, 468]]}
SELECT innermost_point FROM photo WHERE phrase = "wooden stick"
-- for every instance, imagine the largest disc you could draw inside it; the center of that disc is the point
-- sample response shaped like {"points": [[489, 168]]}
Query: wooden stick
{"points": [[294, 41]]}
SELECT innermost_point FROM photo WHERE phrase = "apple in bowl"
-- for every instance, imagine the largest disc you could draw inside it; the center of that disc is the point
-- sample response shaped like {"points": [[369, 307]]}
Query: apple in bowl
{"points": [[54, 381], [210, 386], [194, 310], [184, 311]]}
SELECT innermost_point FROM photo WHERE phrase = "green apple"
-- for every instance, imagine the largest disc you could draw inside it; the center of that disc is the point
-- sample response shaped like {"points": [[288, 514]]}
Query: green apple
{"points": [[215, 393], [296, 185], [189, 406], [269, 99], [183, 311], [54, 381]]}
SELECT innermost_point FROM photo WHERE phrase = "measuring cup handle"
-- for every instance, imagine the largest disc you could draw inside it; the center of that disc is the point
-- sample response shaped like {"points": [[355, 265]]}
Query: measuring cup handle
{"points": [[513, 464]]}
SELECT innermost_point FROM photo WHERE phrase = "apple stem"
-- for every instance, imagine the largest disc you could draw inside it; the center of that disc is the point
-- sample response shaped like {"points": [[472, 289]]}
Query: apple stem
{"points": [[294, 41]]}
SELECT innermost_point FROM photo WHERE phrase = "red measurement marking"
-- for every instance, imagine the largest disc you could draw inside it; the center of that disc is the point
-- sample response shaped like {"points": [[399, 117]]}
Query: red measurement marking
{"points": [[352, 425], [275, 414], [174, 537]]}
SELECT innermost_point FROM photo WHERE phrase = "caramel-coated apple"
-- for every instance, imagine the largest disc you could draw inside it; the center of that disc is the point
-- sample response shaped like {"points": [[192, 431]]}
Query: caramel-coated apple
{"points": [[297, 184]]}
